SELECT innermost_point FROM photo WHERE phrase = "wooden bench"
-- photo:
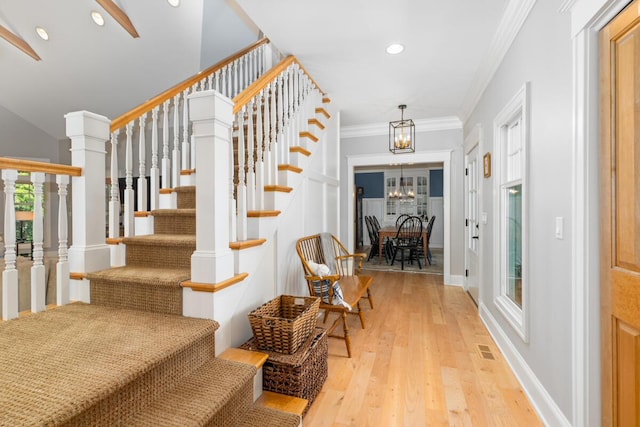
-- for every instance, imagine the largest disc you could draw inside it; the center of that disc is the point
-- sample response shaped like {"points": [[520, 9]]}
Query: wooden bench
{"points": [[347, 268]]}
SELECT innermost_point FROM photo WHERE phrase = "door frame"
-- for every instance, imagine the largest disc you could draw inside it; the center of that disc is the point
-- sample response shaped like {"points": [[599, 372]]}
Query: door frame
{"points": [[473, 140], [443, 156], [587, 18]]}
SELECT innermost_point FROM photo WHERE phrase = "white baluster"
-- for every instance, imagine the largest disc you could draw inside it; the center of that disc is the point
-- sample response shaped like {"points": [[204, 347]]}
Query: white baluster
{"points": [[166, 163], [185, 132], [10, 274], [128, 190], [114, 193], [273, 151], [267, 134], [210, 81], [175, 158], [235, 78], [251, 178], [280, 154], [224, 79], [155, 171], [241, 189], [259, 165], [233, 207], [142, 166], [62, 267], [290, 97], [216, 81], [38, 284], [242, 74]]}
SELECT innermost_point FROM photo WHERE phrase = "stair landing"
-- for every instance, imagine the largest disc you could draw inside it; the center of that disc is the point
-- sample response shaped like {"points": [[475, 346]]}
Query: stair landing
{"points": [[81, 364]]}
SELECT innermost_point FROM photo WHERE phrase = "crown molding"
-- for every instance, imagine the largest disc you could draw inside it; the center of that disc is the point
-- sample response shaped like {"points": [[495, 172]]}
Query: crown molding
{"points": [[512, 21], [566, 5], [422, 125]]}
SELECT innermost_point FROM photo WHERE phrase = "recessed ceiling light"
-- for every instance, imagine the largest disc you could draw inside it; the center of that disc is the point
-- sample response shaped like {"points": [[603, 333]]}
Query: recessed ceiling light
{"points": [[394, 48], [174, 3], [42, 33], [97, 18]]}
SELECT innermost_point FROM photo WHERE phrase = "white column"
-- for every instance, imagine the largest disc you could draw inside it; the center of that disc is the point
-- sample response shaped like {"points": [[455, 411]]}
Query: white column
{"points": [[212, 118], [88, 133]]}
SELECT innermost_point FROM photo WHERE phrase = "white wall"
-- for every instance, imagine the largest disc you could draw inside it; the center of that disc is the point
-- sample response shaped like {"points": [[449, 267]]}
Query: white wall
{"points": [[541, 54], [225, 30], [314, 207], [20, 139], [427, 141]]}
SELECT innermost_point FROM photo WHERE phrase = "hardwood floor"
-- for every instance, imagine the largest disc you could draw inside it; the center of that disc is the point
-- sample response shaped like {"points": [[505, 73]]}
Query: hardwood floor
{"points": [[418, 364]]}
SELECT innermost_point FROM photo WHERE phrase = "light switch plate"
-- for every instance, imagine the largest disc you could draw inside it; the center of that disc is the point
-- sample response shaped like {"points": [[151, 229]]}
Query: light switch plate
{"points": [[559, 227], [484, 218]]}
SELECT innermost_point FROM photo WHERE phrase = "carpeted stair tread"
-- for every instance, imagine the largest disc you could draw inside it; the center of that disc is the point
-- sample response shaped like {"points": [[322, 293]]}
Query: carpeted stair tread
{"points": [[139, 288], [160, 250], [260, 416], [162, 239], [144, 275], [83, 364], [216, 394], [174, 212], [174, 221], [186, 197]]}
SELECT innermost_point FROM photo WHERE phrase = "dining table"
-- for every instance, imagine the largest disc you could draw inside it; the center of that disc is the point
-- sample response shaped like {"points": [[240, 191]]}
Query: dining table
{"points": [[390, 231]]}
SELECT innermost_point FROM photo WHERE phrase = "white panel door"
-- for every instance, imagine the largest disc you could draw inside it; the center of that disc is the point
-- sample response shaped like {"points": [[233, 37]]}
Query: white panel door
{"points": [[472, 226]]}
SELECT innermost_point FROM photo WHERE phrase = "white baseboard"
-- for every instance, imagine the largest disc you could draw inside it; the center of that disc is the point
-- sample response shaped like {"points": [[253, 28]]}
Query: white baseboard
{"points": [[545, 406], [454, 280]]}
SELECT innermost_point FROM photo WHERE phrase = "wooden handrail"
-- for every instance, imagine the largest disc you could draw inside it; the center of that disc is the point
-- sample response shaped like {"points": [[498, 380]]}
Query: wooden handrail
{"points": [[249, 93], [33, 166], [180, 87]]}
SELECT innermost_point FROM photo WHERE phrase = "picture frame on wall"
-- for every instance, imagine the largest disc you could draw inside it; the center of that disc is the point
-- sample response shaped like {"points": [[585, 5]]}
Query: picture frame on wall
{"points": [[487, 165]]}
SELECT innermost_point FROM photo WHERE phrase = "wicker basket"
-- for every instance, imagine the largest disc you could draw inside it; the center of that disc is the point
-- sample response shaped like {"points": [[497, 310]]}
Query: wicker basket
{"points": [[301, 374], [284, 323]]}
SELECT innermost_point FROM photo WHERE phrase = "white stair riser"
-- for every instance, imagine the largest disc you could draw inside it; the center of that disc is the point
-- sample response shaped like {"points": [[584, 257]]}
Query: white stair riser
{"points": [[275, 200], [261, 227], [169, 201], [245, 259]]}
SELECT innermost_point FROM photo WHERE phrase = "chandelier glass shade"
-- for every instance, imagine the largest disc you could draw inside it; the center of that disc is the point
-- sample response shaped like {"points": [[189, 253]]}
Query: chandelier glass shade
{"points": [[402, 134], [401, 192]]}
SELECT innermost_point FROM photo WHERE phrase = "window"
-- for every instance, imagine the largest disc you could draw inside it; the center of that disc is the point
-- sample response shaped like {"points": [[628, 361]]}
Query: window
{"points": [[510, 148]]}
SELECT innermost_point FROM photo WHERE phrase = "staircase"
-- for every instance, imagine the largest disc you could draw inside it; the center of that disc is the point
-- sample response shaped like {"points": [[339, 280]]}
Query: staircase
{"points": [[143, 352], [130, 358]]}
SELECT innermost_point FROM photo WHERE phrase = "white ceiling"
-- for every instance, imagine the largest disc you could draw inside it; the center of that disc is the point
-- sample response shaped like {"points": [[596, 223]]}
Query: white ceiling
{"points": [[86, 67], [340, 42]]}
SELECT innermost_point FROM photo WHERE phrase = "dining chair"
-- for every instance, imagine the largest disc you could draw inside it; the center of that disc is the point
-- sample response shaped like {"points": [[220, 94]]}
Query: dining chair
{"points": [[401, 219], [408, 240], [373, 237]]}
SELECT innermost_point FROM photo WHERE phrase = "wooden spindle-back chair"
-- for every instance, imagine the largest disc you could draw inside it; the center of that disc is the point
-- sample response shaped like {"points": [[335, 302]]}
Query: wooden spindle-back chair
{"points": [[346, 268]]}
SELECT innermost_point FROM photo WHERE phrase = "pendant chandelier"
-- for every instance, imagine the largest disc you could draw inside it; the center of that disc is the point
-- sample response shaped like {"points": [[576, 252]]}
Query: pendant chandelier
{"points": [[401, 192], [402, 134]]}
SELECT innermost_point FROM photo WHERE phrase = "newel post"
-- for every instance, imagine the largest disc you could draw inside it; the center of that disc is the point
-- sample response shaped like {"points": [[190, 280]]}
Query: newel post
{"points": [[89, 252], [212, 116]]}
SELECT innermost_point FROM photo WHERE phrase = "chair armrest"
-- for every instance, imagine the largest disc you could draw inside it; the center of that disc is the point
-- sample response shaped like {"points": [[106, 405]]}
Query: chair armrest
{"points": [[332, 277], [358, 261]]}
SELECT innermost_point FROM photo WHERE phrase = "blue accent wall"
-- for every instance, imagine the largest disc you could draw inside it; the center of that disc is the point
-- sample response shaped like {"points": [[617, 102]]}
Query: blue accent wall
{"points": [[435, 183], [373, 184]]}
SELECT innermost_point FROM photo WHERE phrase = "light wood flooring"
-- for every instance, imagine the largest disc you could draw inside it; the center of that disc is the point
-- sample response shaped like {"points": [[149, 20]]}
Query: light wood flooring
{"points": [[417, 363]]}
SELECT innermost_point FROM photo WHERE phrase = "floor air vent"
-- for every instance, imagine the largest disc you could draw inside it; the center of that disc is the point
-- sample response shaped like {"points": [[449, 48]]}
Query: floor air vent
{"points": [[485, 352]]}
